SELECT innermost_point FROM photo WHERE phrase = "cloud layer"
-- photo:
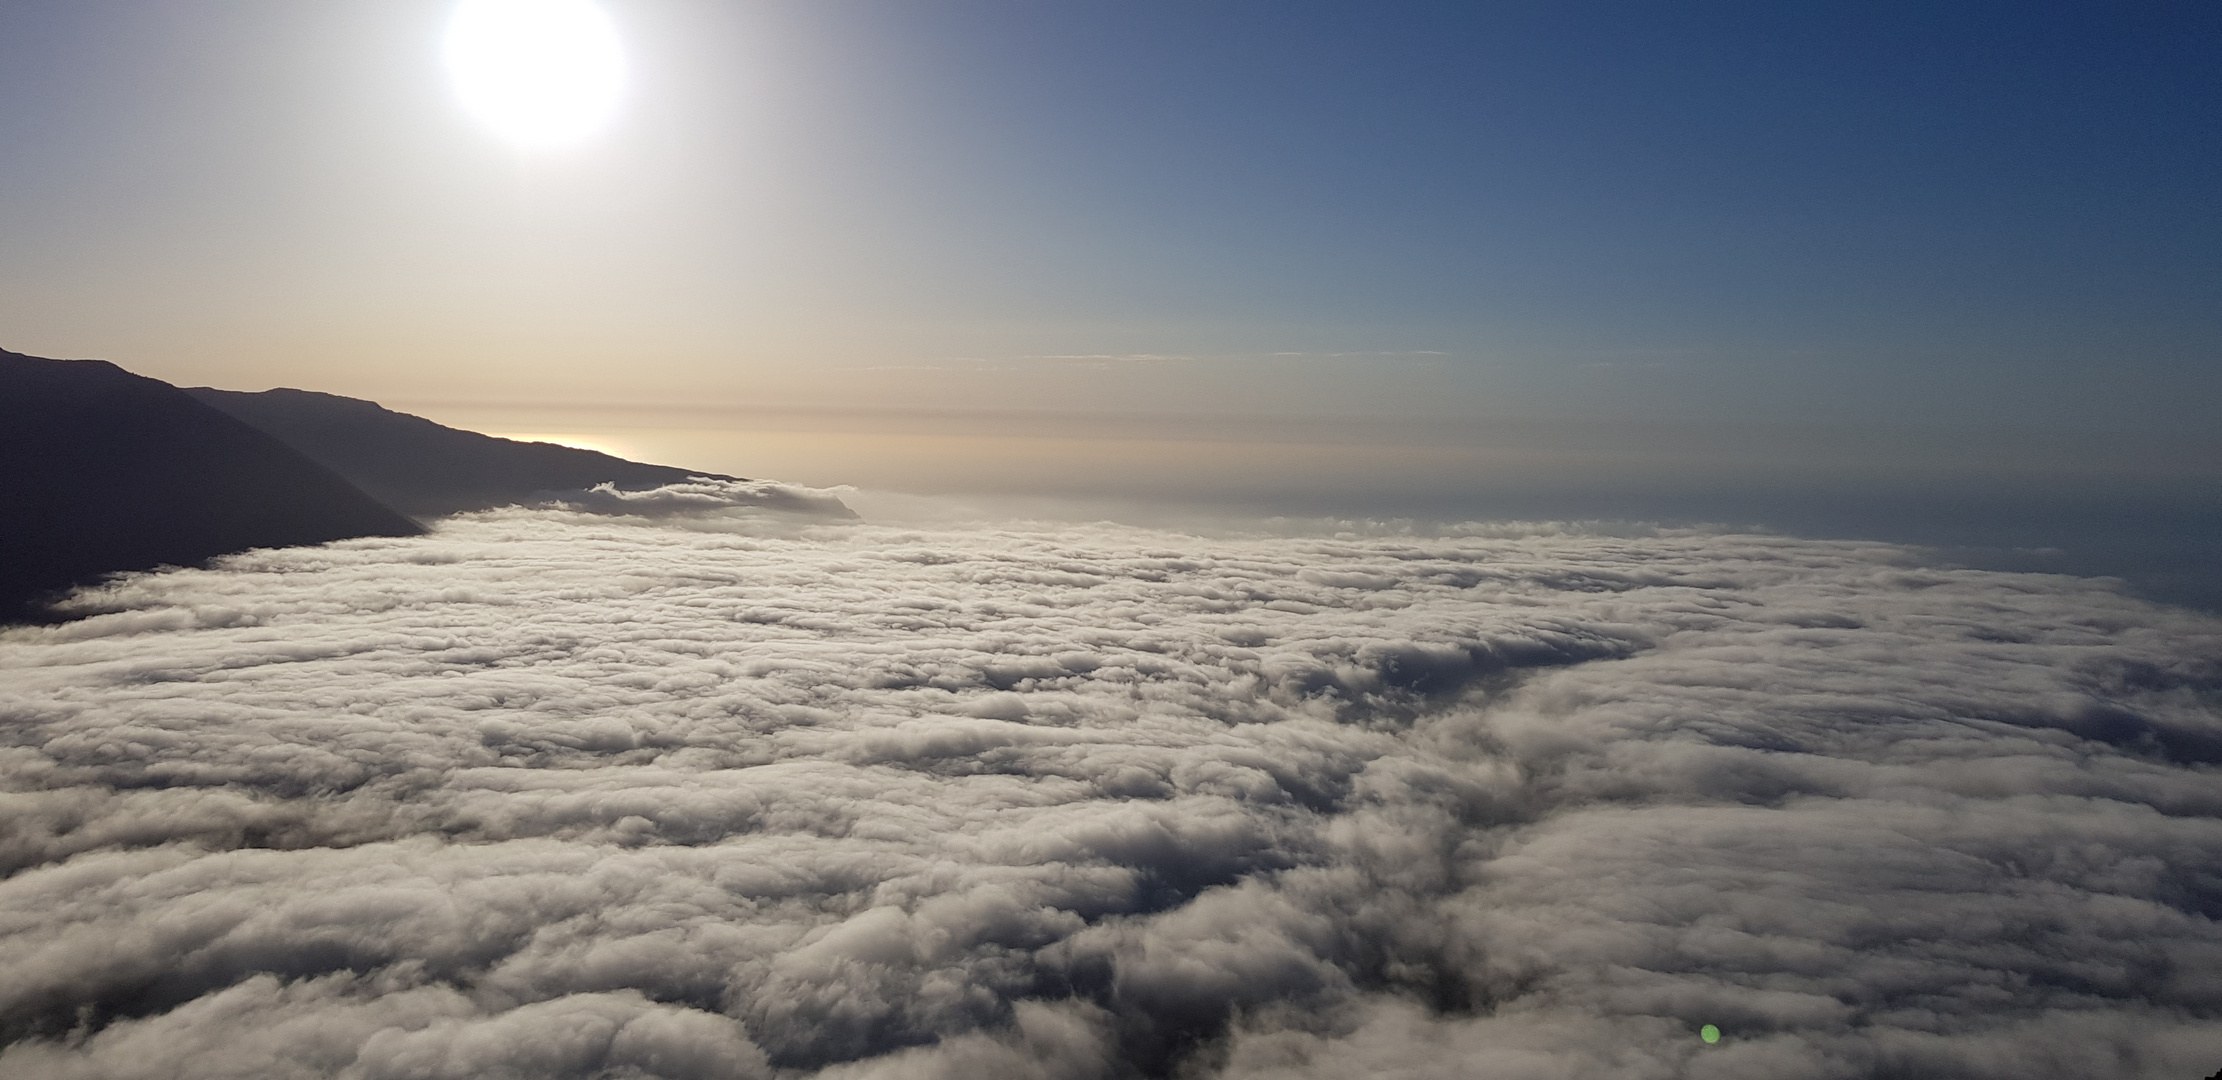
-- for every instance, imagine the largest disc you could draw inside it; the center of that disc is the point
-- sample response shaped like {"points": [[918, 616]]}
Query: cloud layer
{"points": [[717, 793]]}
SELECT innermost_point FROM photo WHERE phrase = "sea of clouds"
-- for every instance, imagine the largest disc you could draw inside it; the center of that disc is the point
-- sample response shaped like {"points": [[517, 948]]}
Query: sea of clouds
{"points": [[716, 791]]}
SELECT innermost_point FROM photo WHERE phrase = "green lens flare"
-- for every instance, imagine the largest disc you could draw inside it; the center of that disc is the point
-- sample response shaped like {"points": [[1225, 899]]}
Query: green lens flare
{"points": [[1709, 1033]]}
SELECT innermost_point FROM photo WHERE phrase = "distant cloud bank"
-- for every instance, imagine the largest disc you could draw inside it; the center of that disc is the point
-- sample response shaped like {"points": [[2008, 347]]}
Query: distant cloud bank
{"points": [[715, 791]]}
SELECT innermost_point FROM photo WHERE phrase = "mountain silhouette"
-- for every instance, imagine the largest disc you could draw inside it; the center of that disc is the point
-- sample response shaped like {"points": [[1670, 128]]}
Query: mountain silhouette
{"points": [[102, 471], [425, 469]]}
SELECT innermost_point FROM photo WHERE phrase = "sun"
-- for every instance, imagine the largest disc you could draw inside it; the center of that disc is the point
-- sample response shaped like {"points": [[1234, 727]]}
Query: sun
{"points": [[541, 73]]}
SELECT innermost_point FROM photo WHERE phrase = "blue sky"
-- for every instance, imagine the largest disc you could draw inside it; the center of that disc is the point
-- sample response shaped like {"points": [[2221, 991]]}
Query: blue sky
{"points": [[1874, 218], [1643, 170], [2011, 191]]}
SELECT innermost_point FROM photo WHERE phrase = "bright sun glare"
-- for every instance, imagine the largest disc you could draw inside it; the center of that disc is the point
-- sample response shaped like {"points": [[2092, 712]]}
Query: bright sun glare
{"points": [[542, 73]]}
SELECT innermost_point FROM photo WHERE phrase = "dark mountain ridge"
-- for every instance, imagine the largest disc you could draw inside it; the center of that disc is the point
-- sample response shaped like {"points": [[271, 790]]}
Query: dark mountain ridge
{"points": [[103, 471], [426, 469]]}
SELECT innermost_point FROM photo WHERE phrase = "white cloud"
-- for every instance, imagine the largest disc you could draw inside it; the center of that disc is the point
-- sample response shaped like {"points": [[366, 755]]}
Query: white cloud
{"points": [[701, 495], [726, 793]]}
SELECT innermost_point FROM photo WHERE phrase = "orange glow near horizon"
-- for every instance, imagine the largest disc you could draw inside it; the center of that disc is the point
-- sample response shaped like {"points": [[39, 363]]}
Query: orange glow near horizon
{"points": [[598, 443]]}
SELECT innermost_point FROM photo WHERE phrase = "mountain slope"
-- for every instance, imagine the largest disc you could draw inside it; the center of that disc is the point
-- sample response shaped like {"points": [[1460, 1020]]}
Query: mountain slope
{"points": [[102, 471], [425, 469]]}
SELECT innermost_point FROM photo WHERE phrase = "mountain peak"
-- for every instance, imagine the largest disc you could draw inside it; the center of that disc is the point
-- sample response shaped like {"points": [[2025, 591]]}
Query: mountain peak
{"points": [[426, 469], [102, 471]]}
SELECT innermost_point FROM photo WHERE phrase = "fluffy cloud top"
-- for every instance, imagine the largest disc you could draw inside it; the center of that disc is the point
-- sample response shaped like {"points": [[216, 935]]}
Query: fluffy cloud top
{"points": [[727, 793]]}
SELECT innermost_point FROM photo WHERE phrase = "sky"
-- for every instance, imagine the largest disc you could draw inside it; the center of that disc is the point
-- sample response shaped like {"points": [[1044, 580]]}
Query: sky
{"points": [[671, 786], [1945, 273]]}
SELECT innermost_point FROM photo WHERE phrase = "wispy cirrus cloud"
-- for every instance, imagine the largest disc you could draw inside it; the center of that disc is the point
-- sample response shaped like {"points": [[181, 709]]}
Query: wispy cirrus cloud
{"points": [[1040, 361]]}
